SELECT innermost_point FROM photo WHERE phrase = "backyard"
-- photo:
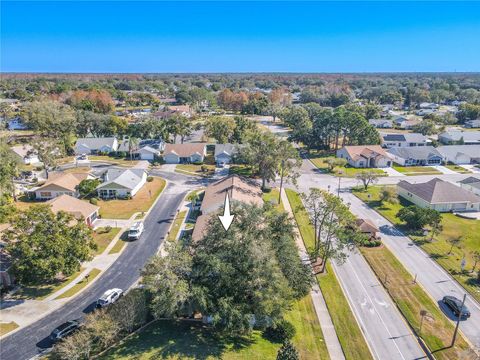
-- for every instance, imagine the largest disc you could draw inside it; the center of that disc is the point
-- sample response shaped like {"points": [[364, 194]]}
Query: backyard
{"points": [[349, 334], [192, 340], [454, 227], [141, 202]]}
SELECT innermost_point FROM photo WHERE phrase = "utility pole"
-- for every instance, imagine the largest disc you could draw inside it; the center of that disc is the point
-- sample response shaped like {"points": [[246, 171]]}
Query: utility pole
{"points": [[458, 320]]}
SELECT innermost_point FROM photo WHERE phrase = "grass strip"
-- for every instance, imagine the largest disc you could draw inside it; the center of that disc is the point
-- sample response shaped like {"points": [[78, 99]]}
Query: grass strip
{"points": [[80, 285], [121, 242], [103, 238], [174, 230], [5, 328]]}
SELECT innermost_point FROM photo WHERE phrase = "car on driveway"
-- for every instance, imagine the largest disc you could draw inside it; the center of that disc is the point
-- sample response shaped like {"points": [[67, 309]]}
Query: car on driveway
{"points": [[109, 297], [456, 306], [64, 330]]}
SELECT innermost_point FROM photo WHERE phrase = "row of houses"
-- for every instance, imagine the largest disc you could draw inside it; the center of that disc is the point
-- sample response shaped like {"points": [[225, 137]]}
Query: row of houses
{"points": [[153, 149], [368, 156]]}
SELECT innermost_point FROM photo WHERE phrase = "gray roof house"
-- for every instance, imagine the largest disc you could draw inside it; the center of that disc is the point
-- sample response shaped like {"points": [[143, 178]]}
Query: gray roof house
{"points": [[225, 153], [403, 140], [95, 145], [472, 123], [415, 156], [439, 195], [381, 123], [121, 183], [471, 184], [459, 137], [460, 154]]}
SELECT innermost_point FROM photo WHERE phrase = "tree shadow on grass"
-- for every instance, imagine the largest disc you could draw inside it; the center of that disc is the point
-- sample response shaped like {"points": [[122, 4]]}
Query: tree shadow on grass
{"points": [[179, 339]]}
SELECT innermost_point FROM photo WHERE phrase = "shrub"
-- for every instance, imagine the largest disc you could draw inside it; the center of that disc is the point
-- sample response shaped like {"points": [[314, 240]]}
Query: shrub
{"points": [[204, 168], [197, 163], [372, 243], [280, 331], [94, 201], [150, 178], [287, 352], [107, 229]]}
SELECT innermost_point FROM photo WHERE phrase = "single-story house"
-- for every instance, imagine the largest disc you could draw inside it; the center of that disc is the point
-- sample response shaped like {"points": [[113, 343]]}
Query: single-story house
{"points": [[367, 227], [16, 124], [381, 123], [415, 156], [26, 153], [184, 153], [147, 153], [471, 184], [427, 105], [403, 140], [365, 156], [459, 137], [239, 189], [60, 184], [423, 112], [439, 195], [96, 145], [78, 208], [121, 183], [225, 153], [460, 154], [472, 124]]}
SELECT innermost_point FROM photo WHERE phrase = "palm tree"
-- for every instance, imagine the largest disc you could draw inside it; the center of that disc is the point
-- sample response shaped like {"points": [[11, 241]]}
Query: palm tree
{"points": [[132, 146]]}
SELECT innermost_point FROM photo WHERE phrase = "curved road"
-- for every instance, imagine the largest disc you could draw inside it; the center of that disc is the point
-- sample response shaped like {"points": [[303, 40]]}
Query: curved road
{"points": [[30, 340]]}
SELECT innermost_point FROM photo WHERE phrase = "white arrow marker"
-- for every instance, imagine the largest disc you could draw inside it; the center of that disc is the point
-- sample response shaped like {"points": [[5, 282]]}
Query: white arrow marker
{"points": [[226, 219]]}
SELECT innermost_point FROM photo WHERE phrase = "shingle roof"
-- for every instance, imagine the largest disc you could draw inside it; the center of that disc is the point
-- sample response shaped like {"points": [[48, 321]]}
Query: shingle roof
{"points": [[95, 143], [366, 151], [415, 152], [438, 191], [453, 151], [458, 135], [68, 181], [71, 205], [127, 178], [22, 150], [184, 150], [366, 226], [407, 137], [470, 180], [230, 149]]}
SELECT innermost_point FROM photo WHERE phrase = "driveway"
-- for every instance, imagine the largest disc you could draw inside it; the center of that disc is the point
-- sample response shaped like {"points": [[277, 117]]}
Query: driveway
{"points": [[124, 273]]}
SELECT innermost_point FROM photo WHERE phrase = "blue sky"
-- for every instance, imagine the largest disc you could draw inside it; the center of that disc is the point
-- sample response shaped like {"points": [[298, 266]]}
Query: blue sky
{"points": [[69, 36]]}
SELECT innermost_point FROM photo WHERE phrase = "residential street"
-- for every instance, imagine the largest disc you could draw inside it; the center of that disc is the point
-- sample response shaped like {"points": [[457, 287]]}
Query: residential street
{"points": [[124, 273]]}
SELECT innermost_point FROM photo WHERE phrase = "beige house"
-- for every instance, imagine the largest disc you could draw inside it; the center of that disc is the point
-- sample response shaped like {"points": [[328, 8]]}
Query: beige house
{"points": [[439, 195], [239, 190], [78, 208], [60, 184], [365, 156], [184, 153]]}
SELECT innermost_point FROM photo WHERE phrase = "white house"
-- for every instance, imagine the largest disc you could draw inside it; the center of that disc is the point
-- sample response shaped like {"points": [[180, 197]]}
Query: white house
{"points": [[60, 184], [184, 153], [471, 184], [225, 153], [121, 183], [460, 154], [472, 124], [403, 140], [365, 156], [26, 153], [381, 123], [147, 153], [415, 156], [439, 195], [96, 145]]}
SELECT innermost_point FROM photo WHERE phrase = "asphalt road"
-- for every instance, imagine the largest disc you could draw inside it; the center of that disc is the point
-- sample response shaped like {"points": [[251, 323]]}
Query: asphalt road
{"points": [[29, 341]]}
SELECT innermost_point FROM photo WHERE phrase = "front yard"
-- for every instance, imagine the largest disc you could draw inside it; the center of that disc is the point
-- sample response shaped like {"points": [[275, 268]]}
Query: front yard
{"points": [[320, 161], [453, 227], [102, 238], [141, 202], [458, 169], [416, 170], [193, 169], [165, 339]]}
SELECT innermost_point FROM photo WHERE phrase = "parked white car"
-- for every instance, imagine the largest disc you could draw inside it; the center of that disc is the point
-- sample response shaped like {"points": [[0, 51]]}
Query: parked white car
{"points": [[135, 230], [109, 297]]}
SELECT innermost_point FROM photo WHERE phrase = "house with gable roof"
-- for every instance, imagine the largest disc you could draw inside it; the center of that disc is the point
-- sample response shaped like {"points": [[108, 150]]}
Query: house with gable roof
{"points": [[121, 183], [365, 156], [184, 153]]}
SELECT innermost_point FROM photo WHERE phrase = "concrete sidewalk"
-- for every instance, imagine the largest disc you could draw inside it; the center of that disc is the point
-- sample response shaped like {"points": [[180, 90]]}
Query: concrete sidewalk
{"points": [[329, 334]]}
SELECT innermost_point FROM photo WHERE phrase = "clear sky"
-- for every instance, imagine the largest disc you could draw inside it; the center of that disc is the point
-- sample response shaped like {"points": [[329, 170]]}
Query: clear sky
{"points": [[87, 36]]}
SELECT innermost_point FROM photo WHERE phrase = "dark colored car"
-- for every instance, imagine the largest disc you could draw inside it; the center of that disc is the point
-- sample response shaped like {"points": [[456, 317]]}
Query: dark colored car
{"points": [[455, 305], [64, 330]]}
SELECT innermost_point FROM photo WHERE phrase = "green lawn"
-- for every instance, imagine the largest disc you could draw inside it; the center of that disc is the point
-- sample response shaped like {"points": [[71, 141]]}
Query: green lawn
{"points": [[173, 233], [121, 242], [272, 198], [40, 292], [320, 161], [416, 170], [349, 334], [242, 170], [103, 239], [453, 227], [192, 169], [5, 328], [458, 169], [410, 298], [141, 202], [192, 340], [80, 285]]}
